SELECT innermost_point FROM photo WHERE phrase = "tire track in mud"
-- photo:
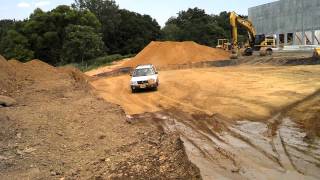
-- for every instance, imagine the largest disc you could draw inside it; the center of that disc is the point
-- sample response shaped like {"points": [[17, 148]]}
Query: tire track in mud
{"points": [[202, 125], [235, 135], [210, 142], [275, 133], [288, 154], [198, 131], [306, 153], [193, 133], [254, 146], [228, 157], [226, 154]]}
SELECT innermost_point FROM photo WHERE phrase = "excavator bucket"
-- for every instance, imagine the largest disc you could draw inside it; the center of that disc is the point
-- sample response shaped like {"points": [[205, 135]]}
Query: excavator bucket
{"points": [[234, 54]]}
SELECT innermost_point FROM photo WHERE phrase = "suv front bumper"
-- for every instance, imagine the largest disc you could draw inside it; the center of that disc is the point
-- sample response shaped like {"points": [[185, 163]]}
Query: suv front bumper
{"points": [[145, 85]]}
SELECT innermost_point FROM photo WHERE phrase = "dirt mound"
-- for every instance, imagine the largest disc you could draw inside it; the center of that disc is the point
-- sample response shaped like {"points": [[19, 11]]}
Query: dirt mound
{"points": [[167, 53], [59, 129], [8, 76]]}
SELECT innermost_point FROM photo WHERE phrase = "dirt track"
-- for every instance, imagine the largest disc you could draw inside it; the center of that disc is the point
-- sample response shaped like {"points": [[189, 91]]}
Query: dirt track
{"points": [[234, 120], [237, 92]]}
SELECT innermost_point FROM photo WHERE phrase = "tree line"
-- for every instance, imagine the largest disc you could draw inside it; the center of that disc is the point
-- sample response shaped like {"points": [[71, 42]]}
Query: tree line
{"points": [[92, 28]]}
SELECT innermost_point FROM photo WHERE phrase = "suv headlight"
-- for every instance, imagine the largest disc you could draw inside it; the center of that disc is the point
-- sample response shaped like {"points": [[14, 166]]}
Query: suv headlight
{"points": [[134, 83]]}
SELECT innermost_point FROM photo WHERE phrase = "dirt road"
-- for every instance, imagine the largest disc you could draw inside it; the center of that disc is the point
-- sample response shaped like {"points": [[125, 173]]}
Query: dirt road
{"points": [[233, 120]]}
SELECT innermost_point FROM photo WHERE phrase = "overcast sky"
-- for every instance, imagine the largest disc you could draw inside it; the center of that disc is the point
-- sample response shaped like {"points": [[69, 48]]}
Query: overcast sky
{"points": [[161, 10]]}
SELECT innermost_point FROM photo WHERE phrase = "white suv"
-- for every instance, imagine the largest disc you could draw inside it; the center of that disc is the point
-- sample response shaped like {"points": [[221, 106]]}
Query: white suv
{"points": [[144, 77]]}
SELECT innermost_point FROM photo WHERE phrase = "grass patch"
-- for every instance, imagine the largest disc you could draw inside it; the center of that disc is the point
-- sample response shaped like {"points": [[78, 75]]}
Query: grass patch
{"points": [[100, 61]]}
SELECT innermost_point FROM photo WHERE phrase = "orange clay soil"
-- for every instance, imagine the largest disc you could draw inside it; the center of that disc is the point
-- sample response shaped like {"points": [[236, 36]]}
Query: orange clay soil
{"points": [[162, 54]]}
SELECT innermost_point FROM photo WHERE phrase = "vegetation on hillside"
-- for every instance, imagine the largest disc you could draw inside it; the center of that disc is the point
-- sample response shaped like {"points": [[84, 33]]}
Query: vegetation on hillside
{"points": [[88, 29]]}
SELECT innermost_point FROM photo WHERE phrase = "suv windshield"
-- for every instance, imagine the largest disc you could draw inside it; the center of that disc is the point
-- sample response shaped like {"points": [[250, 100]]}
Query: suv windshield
{"points": [[143, 72]]}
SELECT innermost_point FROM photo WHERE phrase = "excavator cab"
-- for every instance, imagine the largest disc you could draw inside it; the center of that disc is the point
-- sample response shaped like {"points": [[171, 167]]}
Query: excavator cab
{"points": [[251, 46], [262, 44], [258, 40]]}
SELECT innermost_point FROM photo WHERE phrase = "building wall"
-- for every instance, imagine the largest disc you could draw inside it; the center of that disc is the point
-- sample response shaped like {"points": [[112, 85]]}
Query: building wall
{"points": [[286, 16]]}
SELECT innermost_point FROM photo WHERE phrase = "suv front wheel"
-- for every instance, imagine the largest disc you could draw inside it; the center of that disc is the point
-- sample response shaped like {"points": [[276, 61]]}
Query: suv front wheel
{"points": [[133, 90]]}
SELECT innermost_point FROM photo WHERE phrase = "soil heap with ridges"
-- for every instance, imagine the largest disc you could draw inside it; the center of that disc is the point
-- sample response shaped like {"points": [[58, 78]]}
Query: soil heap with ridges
{"points": [[162, 54]]}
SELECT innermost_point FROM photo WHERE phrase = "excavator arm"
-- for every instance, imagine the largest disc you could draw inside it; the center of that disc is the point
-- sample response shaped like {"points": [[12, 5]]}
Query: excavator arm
{"points": [[236, 20]]}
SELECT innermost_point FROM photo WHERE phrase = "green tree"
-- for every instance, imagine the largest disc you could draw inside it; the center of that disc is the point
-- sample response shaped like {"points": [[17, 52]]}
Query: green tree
{"points": [[194, 24], [15, 45], [107, 12], [171, 32], [81, 43], [224, 22], [47, 30], [134, 32], [5, 25], [123, 31]]}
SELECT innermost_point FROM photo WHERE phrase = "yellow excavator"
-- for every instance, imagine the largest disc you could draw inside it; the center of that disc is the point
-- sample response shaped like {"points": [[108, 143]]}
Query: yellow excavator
{"points": [[255, 42]]}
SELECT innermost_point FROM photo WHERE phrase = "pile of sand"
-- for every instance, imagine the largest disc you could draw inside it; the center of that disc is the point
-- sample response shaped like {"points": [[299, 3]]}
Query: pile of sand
{"points": [[15, 76], [162, 54], [8, 76]]}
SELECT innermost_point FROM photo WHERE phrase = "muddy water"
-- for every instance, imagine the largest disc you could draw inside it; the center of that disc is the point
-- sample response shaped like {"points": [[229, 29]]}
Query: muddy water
{"points": [[245, 149]]}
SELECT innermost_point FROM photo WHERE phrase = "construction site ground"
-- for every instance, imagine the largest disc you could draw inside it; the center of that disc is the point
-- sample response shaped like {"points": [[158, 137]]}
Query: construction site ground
{"points": [[60, 129], [251, 118], [258, 119]]}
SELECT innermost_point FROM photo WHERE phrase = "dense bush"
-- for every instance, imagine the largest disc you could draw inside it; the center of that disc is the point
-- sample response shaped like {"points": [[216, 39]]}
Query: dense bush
{"points": [[100, 61], [60, 36]]}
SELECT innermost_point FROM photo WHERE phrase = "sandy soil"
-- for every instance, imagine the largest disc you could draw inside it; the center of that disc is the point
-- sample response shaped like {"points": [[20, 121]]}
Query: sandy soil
{"points": [[162, 54], [251, 121], [236, 122], [238, 92], [113, 66], [168, 53], [59, 129]]}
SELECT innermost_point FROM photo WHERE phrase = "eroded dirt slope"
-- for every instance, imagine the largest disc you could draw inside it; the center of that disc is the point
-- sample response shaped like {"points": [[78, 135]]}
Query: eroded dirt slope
{"points": [[61, 129]]}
